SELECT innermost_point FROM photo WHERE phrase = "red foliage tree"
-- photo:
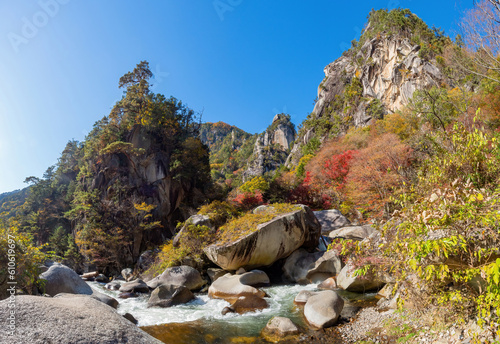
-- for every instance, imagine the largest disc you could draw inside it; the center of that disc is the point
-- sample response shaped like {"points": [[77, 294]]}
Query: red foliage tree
{"points": [[377, 172], [248, 200]]}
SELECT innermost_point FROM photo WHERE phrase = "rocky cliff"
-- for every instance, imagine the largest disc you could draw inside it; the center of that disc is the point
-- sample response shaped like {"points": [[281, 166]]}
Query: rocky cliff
{"points": [[271, 147], [376, 76], [230, 148]]}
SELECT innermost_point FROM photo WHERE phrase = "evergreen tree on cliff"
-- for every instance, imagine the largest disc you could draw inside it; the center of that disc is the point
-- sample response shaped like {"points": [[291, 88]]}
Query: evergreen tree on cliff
{"points": [[143, 167]]}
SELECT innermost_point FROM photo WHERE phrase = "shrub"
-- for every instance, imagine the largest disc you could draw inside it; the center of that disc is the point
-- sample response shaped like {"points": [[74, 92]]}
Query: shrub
{"points": [[249, 200], [447, 232], [17, 250]]}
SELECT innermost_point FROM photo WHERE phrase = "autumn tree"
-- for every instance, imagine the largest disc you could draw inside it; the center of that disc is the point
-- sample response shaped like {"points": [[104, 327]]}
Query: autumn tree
{"points": [[481, 34]]}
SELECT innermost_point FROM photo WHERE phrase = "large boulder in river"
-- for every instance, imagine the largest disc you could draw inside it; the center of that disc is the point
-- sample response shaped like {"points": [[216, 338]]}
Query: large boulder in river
{"points": [[179, 275], [230, 287], [167, 295], [268, 242], [78, 319], [352, 232], [135, 286], [304, 267], [245, 304], [323, 309], [331, 220], [359, 284], [61, 279]]}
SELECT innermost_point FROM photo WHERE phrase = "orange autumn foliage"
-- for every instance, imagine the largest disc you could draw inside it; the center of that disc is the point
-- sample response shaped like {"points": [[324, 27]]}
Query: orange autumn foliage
{"points": [[376, 173]]}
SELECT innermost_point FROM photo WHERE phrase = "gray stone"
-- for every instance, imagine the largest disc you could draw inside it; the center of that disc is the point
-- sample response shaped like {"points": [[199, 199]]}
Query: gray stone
{"points": [[359, 284], [247, 303], [127, 274], [281, 327], [270, 241], [352, 232], [304, 267], [61, 279], [130, 318], [135, 286], [108, 300], [330, 220], [101, 278], [78, 319], [167, 295], [230, 287], [303, 296], [323, 309], [215, 273], [113, 285], [179, 275]]}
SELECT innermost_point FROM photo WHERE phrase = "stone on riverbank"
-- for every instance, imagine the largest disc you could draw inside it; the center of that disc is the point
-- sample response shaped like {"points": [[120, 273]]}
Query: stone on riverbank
{"points": [[167, 295], [179, 275], [323, 309]]}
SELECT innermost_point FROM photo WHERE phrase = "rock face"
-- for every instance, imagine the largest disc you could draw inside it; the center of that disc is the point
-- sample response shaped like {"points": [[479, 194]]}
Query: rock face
{"points": [[386, 71], [271, 241], [230, 287], [304, 267], [271, 147], [359, 284], [352, 232], [78, 319], [61, 279], [330, 220], [323, 309], [179, 275], [170, 295]]}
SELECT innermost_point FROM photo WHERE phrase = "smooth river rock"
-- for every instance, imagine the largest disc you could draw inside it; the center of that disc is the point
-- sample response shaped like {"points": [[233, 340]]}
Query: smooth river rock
{"points": [[352, 232], [304, 267], [323, 309], [230, 287], [269, 242], [331, 220], [135, 286], [167, 295], [61, 279], [184, 275], [280, 327], [358, 284]]}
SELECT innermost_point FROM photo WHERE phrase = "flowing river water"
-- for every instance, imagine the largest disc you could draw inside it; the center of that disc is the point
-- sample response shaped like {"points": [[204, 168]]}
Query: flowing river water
{"points": [[201, 321]]}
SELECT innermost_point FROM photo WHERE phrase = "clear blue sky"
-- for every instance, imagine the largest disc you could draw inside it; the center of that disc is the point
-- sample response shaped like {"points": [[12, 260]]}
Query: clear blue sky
{"points": [[241, 63]]}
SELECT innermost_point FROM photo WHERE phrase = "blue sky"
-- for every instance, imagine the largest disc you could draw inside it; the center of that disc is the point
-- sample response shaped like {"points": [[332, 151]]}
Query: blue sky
{"points": [[238, 61]]}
